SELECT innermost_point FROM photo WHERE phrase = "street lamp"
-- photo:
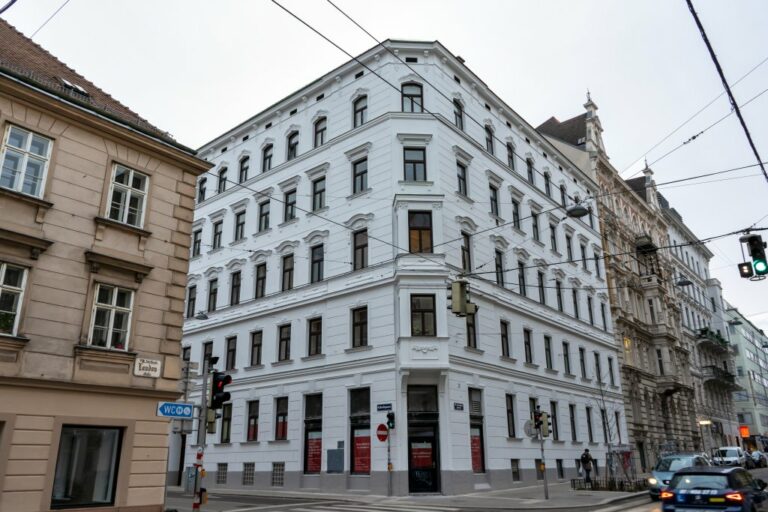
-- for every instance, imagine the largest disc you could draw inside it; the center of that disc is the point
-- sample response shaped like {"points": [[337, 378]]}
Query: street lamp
{"points": [[577, 211], [683, 281]]}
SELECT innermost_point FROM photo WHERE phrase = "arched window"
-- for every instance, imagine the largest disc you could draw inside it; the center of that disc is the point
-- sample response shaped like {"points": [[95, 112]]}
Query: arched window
{"points": [[563, 196], [531, 177], [547, 185], [511, 155], [266, 158], [320, 128], [489, 139], [293, 146], [360, 111], [458, 114], [244, 165], [413, 98], [201, 189], [221, 186]]}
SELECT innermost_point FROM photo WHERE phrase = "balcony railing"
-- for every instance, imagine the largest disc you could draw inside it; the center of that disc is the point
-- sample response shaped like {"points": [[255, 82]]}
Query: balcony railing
{"points": [[645, 244], [712, 340], [720, 377]]}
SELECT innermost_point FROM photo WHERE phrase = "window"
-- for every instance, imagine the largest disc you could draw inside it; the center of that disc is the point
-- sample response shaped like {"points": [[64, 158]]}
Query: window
{"points": [[611, 377], [289, 208], [231, 353], [535, 226], [511, 430], [415, 164], [245, 163], [572, 418], [521, 278], [660, 360], [207, 351], [499, 264], [583, 362], [318, 194], [315, 330], [461, 177], [221, 468], [567, 358], [597, 264], [201, 189], [256, 344], [590, 217], [603, 315], [575, 296], [527, 345], [412, 98], [540, 282], [471, 330], [476, 430], [234, 288], [559, 293], [553, 237], [360, 108], [218, 228], [360, 327], [278, 473], [25, 161], [186, 353], [489, 139], [589, 311], [252, 423], [583, 256], [191, 305], [547, 185], [617, 417], [515, 214], [360, 427], [516, 475], [287, 282], [553, 425], [86, 466], [226, 427], [313, 433], [360, 176], [263, 216], [569, 247], [360, 243], [420, 232], [266, 158], [284, 343], [423, 321], [221, 185], [12, 284], [504, 328], [494, 195], [511, 156], [598, 368], [548, 352], [293, 146], [111, 316], [281, 418], [590, 434], [317, 258], [531, 176], [320, 129], [128, 196], [458, 115], [261, 280], [239, 225], [466, 254], [563, 196]]}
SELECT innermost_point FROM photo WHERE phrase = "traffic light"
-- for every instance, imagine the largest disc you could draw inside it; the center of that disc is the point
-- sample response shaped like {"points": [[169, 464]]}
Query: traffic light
{"points": [[218, 395], [537, 419], [745, 270], [756, 248], [210, 421], [458, 299], [390, 420], [544, 424]]}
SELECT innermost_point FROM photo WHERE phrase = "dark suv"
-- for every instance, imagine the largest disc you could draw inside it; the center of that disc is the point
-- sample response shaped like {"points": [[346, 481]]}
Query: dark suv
{"points": [[729, 489]]}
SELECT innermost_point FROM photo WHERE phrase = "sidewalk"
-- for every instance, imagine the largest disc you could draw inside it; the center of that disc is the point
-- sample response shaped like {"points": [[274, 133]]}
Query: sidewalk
{"points": [[561, 498]]}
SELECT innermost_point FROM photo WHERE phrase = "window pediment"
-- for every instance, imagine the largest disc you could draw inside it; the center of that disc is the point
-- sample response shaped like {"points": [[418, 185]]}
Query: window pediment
{"points": [[462, 155], [494, 178], [466, 223], [260, 256], [239, 205], [535, 207], [414, 139], [192, 279], [294, 128], [35, 244], [500, 242], [263, 194], [318, 170], [320, 114], [602, 296], [316, 236], [359, 151], [575, 282], [290, 183], [359, 93], [119, 261], [558, 273], [269, 141], [212, 273], [217, 215], [287, 246], [590, 290], [542, 264], [521, 253], [516, 193], [359, 221], [243, 154], [235, 264]]}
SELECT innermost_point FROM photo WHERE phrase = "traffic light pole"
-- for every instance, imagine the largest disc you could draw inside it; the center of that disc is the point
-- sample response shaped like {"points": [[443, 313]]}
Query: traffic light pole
{"points": [[201, 431], [543, 465]]}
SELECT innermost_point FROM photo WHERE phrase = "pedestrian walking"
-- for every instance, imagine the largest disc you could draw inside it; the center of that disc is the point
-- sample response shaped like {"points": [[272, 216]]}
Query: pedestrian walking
{"points": [[586, 466]]}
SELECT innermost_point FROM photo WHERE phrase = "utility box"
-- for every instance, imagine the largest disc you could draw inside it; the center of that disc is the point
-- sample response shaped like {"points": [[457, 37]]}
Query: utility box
{"points": [[335, 460]]}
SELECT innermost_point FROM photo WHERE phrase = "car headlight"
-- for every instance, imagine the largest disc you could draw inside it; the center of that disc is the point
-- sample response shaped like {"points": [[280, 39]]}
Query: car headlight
{"points": [[653, 481]]}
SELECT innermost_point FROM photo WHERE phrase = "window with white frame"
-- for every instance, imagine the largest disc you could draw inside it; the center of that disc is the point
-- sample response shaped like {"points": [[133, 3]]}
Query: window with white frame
{"points": [[128, 196], [111, 317], [12, 282], [25, 159]]}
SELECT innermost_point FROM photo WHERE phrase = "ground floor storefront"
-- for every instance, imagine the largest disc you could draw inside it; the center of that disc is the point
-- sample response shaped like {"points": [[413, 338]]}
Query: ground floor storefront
{"points": [[80, 449]]}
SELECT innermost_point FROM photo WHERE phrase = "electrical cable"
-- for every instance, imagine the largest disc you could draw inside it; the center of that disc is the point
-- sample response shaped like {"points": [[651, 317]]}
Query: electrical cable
{"points": [[49, 19], [7, 6]]}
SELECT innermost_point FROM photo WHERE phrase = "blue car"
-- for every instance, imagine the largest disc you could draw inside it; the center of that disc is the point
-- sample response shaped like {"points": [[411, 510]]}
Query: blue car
{"points": [[666, 467], [709, 489]]}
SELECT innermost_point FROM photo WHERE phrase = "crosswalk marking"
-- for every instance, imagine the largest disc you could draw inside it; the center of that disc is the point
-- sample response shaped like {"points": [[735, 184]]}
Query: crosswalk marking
{"points": [[374, 507]]}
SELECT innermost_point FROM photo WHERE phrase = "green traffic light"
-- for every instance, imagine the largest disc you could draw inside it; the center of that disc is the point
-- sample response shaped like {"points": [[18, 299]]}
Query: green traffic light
{"points": [[761, 267]]}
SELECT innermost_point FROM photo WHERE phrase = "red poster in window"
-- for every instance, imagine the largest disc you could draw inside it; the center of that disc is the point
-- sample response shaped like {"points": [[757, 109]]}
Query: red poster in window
{"points": [[476, 444], [421, 456], [362, 455], [282, 429], [314, 451]]}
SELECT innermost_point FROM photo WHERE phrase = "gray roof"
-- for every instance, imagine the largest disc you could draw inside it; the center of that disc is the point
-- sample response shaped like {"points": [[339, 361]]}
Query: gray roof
{"points": [[638, 187], [573, 130]]}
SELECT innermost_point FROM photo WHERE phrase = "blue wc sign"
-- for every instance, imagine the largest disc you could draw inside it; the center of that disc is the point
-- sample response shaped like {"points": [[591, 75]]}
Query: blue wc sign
{"points": [[178, 410]]}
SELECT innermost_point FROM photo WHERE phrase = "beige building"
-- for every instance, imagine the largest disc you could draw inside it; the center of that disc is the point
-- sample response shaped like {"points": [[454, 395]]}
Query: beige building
{"points": [[96, 207], [656, 377]]}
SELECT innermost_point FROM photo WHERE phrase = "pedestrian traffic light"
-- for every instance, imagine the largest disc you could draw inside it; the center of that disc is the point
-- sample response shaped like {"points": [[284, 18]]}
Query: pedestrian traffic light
{"points": [[756, 248], [218, 395], [745, 270], [390, 420]]}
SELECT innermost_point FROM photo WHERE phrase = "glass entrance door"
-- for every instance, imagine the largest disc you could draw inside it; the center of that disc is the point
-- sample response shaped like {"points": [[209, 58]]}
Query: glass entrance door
{"points": [[423, 467]]}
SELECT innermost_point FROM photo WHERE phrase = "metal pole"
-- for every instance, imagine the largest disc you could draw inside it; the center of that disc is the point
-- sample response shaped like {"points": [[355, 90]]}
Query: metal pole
{"points": [[201, 431], [543, 465], [389, 463]]}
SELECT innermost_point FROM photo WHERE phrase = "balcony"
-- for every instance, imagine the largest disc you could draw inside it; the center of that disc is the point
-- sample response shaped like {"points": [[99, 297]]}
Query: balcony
{"points": [[716, 376], [707, 338], [645, 244], [669, 384]]}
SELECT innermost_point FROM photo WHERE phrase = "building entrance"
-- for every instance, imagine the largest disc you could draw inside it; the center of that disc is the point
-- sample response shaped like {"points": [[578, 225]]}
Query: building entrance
{"points": [[423, 440]]}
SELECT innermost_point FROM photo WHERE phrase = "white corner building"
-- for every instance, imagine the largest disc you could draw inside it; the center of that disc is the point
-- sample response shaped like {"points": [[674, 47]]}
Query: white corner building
{"points": [[323, 243]]}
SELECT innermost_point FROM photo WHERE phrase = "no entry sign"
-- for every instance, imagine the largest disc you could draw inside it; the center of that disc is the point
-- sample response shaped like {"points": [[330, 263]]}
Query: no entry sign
{"points": [[382, 432]]}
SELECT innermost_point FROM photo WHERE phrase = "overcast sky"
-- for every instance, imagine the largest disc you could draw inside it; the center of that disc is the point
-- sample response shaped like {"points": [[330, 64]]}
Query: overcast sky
{"points": [[197, 68]]}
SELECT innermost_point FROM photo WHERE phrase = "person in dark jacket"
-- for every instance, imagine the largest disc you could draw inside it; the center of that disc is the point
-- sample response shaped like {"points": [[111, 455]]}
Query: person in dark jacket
{"points": [[586, 466]]}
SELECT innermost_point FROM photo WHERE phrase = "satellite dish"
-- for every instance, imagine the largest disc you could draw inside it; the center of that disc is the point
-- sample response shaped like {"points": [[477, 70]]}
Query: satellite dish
{"points": [[529, 430]]}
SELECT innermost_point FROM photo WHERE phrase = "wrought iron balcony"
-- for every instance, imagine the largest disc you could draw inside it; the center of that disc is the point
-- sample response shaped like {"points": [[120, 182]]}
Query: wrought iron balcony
{"points": [[645, 244], [719, 377], [712, 340]]}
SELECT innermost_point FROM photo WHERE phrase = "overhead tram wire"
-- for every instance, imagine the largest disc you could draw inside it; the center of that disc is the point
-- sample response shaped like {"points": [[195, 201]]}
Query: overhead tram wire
{"points": [[727, 87], [49, 19], [7, 6]]}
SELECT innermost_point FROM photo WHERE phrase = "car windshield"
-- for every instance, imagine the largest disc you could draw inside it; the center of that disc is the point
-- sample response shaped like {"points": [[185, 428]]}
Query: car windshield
{"points": [[673, 463], [708, 481], [727, 453]]}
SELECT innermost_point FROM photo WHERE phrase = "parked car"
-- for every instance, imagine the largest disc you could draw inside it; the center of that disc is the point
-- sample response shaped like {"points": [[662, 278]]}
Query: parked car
{"points": [[712, 489], [730, 456], [667, 466], [760, 459]]}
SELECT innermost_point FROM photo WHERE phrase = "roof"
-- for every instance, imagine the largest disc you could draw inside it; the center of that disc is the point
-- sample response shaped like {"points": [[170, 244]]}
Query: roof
{"points": [[710, 469], [638, 187], [573, 130], [25, 60]]}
